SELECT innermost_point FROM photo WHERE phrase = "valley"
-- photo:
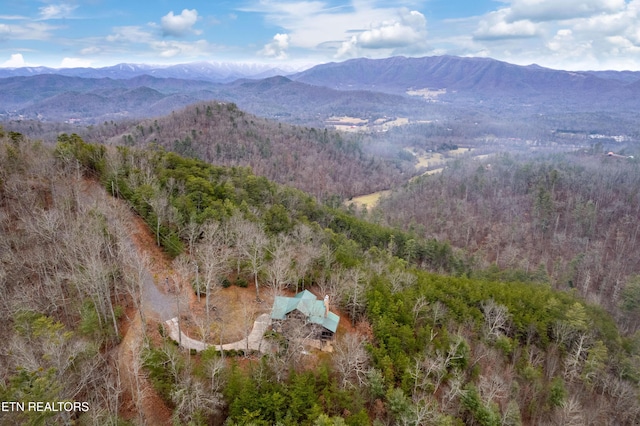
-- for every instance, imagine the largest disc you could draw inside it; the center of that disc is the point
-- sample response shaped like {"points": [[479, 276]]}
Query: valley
{"points": [[477, 239], [424, 161]]}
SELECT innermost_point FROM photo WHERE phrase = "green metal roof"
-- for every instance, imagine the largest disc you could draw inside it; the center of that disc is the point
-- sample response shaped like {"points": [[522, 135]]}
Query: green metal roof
{"points": [[307, 303]]}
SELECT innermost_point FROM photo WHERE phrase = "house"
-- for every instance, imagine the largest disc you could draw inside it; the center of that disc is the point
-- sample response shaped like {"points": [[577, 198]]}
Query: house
{"points": [[319, 323]]}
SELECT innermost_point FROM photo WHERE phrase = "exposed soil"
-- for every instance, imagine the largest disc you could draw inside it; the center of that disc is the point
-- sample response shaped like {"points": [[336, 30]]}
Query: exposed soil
{"points": [[139, 401], [235, 311]]}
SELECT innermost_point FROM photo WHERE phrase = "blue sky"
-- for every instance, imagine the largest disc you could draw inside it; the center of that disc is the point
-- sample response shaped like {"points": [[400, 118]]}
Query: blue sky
{"points": [[566, 34]]}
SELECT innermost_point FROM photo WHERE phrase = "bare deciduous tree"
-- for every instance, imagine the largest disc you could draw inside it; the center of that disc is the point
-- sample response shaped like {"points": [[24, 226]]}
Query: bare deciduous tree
{"points": [[496, 319], [352, 293], [213, 253], [307, 250], [139, 271], [351, 360], [493, 388], [251, 241], [291, 353], [400, 279], [191, 398], [279, 269]]}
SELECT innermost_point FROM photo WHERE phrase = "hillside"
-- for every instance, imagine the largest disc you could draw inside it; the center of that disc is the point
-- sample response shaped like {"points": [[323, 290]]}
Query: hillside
{"points": [[442, 348], [482, 84], [504, 290], [94, 100], [425, 347], [321, 162], [65, 277], [568, 217], [50, 97], [456, 74]]}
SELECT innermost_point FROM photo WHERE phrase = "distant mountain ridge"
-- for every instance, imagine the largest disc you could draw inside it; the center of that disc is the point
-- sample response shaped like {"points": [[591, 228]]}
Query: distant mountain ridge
{"points": [[218, 72], [52, 97], [364, 88], [480, 75]]}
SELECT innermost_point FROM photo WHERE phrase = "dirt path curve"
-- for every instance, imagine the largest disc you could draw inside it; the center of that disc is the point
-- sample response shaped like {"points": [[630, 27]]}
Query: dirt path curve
{"points": [[140, 398], [140, 401], [254, 341], [155, 303]]}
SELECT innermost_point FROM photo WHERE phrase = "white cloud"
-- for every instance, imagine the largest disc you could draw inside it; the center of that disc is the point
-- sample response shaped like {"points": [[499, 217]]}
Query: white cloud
{"points": [[633, 35], [407, 31], [495, 25], [142, 41], [170, 49], [129, 34], [625, 23], [13, 17], [56, 11], [277, 48], [27, 31], [555, 10], [605, 40], [179, 25], [560, 40], [321, 28], [568, 34], [16, 61], [623, 45], [75, 63], [564, 47], [91, 50], [5, 31], [284, 10]]}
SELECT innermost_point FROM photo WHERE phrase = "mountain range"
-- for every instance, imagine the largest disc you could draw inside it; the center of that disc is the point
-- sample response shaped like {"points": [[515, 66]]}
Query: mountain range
{"points": [[456, 74], [364, 88], [217, 72]]}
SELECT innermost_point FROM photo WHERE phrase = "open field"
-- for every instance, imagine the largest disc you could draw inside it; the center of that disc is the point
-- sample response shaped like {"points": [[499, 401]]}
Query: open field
{"points": [[428, 172], [355, 124], [427, 94], [460, 151], [425, 160], [369, 200]]}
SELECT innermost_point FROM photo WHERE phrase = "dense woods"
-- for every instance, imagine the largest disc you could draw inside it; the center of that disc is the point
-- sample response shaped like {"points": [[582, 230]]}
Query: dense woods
{"points": [[568, 220], [426, 348], [321, 162], [63, 283]]}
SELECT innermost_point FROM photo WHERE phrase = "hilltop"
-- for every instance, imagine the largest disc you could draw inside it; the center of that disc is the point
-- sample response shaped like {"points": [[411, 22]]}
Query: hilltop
{"points": [[430, 343], [321, 162]]}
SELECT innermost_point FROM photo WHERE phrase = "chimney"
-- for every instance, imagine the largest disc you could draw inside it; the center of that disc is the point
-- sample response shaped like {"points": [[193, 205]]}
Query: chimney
{"points": [[326, 305]]}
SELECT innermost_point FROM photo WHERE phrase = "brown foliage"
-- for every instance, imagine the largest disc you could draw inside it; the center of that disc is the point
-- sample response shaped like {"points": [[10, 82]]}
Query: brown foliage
{"points": [[320, 162]]}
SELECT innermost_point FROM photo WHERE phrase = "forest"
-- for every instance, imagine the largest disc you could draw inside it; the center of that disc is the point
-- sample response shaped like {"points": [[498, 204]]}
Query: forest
{"points": [[322, 162], [569, 219], [486, 295]]}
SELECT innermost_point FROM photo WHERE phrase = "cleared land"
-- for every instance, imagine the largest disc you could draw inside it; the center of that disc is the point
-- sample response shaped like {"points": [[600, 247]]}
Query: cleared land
{"points": [[428, 94], [355, 124], [425, 160], [369, 200]]}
